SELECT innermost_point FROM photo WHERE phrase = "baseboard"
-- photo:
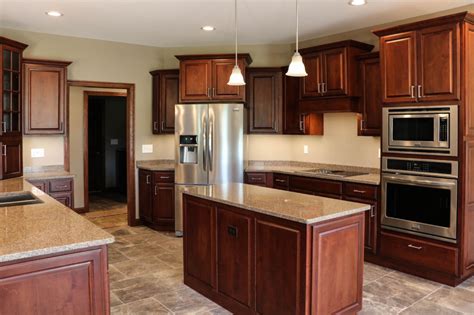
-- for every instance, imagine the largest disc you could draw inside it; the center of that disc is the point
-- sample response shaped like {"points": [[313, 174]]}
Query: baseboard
{"points": [[81, 210]]}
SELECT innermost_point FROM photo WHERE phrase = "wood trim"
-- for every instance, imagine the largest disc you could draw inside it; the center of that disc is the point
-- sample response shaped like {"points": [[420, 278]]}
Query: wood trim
{"points": [[340, 44], [130, 87], [247, 57], [13, 43], [47, 62]]}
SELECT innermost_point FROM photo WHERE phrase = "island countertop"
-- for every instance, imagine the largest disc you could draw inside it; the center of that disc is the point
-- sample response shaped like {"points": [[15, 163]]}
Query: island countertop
{"points": [[287, 205], [43, 228]]}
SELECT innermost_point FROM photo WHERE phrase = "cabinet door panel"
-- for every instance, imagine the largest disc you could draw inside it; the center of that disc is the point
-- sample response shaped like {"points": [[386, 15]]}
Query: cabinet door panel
{"points": [[310, 86], [169, 98], [195, 80], [221, 71], [334, 72], [398, 67], [163, 205], [438, 63], [12, 158], [265, 101], [291, 116], [63, 197], [370, 123], [234, 255], [145, 195], [370, 225]]}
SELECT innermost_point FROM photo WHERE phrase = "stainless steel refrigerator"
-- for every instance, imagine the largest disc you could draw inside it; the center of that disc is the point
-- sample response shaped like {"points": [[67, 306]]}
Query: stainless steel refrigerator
{"points": [[210, 148]]}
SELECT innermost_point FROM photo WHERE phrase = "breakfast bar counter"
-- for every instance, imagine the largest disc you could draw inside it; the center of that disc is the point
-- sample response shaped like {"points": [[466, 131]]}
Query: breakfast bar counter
{"points": [[257, 250]]}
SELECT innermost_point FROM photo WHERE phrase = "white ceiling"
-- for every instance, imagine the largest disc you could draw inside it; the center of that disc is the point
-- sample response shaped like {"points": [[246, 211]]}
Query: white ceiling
{"points": [[168, 23]]}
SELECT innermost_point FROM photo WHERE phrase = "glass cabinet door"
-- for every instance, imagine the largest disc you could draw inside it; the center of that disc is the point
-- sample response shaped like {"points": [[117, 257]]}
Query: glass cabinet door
{"points": [[11, 89]]}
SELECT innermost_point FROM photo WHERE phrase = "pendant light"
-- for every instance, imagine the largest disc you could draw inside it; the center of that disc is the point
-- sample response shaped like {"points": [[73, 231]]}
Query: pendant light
{"points": [[236, 77], [296, 68]]}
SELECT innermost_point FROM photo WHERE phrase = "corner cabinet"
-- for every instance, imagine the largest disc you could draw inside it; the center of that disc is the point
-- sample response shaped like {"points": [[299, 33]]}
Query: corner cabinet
{"points": [[421, 63], [165, 96], [11, 108], [203, 78], [44, 88]]}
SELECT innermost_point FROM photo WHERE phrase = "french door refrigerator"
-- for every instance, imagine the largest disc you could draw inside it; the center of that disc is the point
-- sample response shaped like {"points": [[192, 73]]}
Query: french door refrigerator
{"points": [[209, 140]]}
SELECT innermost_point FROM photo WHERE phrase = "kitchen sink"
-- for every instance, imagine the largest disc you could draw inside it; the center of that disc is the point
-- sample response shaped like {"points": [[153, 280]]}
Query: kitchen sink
{"points": [[18, 199], [335, 173]]}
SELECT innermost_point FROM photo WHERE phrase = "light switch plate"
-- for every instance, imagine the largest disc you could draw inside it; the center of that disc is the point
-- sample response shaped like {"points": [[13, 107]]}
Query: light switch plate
{"points": [[37, 152], [147, 148], [113, 141], [306, 149]]}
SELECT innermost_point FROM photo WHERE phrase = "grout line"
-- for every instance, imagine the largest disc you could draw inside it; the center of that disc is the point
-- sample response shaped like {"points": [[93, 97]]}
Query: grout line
{"points": [[423, 298]]}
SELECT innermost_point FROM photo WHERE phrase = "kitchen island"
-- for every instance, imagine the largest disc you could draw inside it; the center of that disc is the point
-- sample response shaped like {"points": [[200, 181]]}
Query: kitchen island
{"points": [[256, 250], [52, 260]]}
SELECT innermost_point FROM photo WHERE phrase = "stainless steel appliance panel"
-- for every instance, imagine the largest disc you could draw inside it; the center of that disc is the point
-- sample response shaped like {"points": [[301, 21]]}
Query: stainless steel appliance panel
{"points": [[191, 120], [226, 143]]}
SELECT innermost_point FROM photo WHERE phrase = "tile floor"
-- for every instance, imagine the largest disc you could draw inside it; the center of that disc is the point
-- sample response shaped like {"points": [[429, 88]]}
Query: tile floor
{"points": [[146, 270], [106, 212]]}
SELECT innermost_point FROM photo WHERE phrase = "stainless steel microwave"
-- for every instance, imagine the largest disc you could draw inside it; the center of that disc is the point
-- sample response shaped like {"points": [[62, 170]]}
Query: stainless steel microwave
{"points": [[421, 130]]}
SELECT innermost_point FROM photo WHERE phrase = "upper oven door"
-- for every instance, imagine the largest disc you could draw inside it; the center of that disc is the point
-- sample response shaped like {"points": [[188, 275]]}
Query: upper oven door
{"points": [[420, 204], [418, 130]]}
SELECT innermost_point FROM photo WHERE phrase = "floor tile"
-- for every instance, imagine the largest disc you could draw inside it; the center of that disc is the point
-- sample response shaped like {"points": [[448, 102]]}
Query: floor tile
{"points": [[142, 307], [428, 308], [456, 299]]}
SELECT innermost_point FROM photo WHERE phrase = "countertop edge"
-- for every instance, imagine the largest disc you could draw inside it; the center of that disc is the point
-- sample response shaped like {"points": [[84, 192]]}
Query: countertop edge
{"points": [[279, 215]]}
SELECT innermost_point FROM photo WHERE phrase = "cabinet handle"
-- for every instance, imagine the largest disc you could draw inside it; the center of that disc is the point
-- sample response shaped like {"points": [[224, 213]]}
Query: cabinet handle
{"points": [[319, 88], [415, 247], [4, 150], [359, 191], [209, 92], [412, 91], [162, 125], [4, 126], [62, 186], [323, 88], [280, 180], [420, 91], [372, 211], [254, 178], [164, 177], [148, 179], [155, 125], [156, 190], [213, 92]]}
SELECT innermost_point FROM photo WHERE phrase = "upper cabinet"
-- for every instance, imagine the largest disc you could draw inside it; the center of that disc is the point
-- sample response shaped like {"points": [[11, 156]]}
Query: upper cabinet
{"points": [[165, 96], [203, 78], [420, 62], [45, 83], [332, 73]]}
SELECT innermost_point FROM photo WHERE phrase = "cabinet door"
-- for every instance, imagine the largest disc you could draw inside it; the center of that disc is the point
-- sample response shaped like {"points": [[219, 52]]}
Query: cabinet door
{"points": [[334, 72], [163, 205], [63, 197], [234, 255], [398, 67], [370, 122], [291, 117], [145, 195], [10, 91], [195, 80], [221, 71], [265, 101], [311, 84], [165, 96], [370, 226], [45, 98], [438, 63], [12, 158]]}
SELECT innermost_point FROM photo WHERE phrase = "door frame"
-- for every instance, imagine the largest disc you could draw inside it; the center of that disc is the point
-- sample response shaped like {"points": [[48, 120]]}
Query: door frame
{"points": [[130, 139]]}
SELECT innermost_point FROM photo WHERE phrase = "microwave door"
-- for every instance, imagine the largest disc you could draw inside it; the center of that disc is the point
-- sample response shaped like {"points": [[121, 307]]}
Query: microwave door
{"points": [[413, 130]]}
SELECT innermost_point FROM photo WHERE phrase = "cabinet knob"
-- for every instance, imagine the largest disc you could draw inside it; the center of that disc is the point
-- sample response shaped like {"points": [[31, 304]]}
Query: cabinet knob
{"points": [[155, 125], [415, 247]]}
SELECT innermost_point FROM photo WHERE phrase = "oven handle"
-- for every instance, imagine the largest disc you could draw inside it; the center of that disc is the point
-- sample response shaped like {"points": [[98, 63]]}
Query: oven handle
{"points": [[420, 181]]}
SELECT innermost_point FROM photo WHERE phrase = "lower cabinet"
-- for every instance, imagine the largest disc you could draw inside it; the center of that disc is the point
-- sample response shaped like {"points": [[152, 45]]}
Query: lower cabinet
{"points": [[156, 199], [67, 283], [61, 189], [12, 159]]}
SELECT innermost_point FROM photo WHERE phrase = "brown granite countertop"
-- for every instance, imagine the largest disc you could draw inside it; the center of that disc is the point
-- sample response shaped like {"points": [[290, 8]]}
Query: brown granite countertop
{"points": [[156, 165], [46, 172], [44, 228], [288, 205]]}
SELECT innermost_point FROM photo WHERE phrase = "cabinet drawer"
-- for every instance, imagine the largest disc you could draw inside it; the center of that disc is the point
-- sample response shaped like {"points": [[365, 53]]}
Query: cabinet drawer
{"points": [[59, 185], [163, 177], [63, 197], [281, 181], [360, 191], [256, 178], [40, 184], [422, 253], [320, 187]]}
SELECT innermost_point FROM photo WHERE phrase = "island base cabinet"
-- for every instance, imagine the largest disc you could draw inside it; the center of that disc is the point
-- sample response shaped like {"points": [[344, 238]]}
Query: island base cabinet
{"points": [[253, 263], [72, 283]]}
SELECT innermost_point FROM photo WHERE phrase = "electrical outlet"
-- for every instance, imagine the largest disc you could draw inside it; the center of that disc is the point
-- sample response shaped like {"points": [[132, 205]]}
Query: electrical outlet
{"points": [[113, 141], [37, 152], [306, 149], [380, 155], [147, 148]]}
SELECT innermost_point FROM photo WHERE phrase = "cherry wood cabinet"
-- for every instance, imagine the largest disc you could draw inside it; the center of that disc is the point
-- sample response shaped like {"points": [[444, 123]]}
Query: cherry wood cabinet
{"points": [[332, 82], [61, 189], [44, 88], [156, 199], [259, 178], [12, 159], [422, 63], [370, 101], [165, 96], [251, 263], [75, 282], [203, 78]]}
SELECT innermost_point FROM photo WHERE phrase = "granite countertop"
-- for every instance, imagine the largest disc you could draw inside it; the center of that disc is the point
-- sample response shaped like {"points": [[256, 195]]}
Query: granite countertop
{"points": [[288, 205], [44, 228], [156, 165], [46, 172]]}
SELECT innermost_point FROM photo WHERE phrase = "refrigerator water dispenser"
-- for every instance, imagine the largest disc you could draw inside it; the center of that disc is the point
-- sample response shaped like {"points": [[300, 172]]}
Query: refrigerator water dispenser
{"points": [[188, 149]]}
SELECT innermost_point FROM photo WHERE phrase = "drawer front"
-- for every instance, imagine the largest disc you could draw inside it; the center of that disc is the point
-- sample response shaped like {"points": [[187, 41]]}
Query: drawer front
{"points": [[281, 181], [421, 253], [40, 184], [256, 178], [58, 185], [320, 187], [63, 197], [360, 191], [163, 177]]}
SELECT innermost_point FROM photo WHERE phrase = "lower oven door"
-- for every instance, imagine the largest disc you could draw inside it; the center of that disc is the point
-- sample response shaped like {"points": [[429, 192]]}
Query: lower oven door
{"points": [[420, 205]]}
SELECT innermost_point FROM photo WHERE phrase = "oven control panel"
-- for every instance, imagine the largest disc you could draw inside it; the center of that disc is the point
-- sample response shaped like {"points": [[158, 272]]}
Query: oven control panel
{"points": [[427, 167]]}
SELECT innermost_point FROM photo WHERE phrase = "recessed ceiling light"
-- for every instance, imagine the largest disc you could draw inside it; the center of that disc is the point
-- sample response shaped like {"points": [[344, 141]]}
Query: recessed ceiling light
{"points": [[54, 13], [358, 2], [208, 28]]}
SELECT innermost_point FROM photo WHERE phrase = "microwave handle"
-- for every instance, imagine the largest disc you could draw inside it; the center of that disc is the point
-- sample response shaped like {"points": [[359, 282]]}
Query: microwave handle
{"points": [[420, 181]]}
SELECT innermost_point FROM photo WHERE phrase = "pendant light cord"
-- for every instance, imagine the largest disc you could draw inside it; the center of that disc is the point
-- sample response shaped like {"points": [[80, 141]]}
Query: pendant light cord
{"points": [[235, 22], [297, 25]]}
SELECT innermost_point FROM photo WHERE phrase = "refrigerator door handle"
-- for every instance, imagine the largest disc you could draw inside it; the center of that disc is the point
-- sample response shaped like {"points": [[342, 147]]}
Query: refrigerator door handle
{"points": [[204, 151], [211, 139]]}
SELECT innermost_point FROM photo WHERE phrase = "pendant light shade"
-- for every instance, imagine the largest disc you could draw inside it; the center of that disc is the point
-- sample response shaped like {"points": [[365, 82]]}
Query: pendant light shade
{"points": [[296, 67], [236, 77]]}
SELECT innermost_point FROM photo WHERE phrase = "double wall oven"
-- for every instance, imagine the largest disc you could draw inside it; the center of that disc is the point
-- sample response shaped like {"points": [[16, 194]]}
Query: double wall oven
{"points": [[419, 195]]}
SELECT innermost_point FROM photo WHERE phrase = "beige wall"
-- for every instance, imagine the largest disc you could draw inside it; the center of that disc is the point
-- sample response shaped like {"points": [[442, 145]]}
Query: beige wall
{"points": [[53, 150]]}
